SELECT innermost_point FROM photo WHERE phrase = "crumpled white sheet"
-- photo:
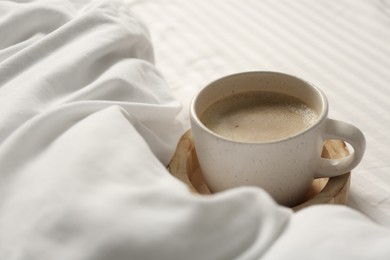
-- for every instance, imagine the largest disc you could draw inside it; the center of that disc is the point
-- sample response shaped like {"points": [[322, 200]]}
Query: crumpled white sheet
{"points": [[87, 126]]}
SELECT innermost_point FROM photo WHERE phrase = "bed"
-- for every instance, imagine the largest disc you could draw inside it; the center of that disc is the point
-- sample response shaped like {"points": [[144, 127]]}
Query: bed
{"points": [[340, 46], [94, 96]]}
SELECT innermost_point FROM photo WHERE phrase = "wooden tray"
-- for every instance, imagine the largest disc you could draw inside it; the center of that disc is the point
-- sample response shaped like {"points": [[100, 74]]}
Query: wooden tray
{"points": [[185, 166]]}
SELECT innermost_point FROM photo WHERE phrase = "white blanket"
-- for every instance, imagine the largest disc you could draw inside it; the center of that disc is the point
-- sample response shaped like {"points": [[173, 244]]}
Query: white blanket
{"points": [[87, 126]]}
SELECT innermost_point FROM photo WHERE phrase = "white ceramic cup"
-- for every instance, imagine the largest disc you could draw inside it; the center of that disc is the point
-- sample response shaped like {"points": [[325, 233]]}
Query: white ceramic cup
{"points": [[284, 168]]}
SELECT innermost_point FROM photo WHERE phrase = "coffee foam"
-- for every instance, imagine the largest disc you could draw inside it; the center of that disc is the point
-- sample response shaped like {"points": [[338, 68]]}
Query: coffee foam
{"points": [[259, 116]]}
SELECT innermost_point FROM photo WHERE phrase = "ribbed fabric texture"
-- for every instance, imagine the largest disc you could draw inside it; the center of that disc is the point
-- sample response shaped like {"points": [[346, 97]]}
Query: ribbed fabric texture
{"points": [[342, 46]]}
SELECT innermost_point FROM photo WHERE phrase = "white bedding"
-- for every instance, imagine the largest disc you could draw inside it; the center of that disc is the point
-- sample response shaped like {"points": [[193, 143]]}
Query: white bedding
{"points": [[341, 46], [88, 124]]}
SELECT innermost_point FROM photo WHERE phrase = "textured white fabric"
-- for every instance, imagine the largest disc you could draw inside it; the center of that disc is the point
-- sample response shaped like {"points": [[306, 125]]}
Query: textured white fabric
{"points": [[87, 126], [341, 46]]}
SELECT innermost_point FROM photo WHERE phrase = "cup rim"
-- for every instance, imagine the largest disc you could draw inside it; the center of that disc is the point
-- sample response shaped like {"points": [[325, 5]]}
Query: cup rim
{"points": [[321, 117]]}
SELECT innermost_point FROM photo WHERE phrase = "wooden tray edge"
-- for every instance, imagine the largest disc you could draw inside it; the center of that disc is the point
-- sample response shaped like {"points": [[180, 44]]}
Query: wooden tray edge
{"points": [[335, 190]]}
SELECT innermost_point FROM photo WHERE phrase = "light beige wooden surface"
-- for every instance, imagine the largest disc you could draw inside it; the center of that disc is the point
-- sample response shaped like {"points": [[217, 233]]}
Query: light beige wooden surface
{"points": [[185, 166]]}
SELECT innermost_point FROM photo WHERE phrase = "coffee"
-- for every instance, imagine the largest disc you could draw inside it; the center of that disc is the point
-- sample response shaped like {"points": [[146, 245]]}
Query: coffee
{"points": [[258, 116]]}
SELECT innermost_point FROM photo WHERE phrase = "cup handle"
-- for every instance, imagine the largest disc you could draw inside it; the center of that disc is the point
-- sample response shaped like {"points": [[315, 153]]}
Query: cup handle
{"points": [[341, 130]]}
